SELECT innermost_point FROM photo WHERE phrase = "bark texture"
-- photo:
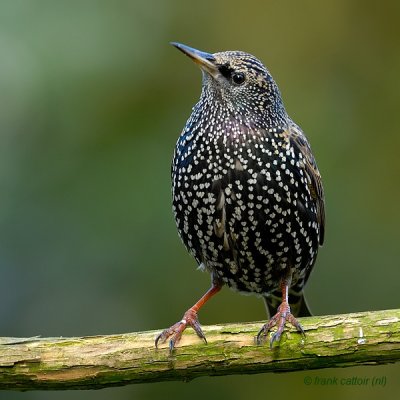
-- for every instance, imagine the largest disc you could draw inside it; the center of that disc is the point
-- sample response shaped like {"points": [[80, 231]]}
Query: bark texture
{"points": [[102, 361]]}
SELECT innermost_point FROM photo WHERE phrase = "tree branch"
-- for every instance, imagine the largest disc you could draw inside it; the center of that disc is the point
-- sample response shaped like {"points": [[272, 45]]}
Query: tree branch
{"points": [[102, 361]]}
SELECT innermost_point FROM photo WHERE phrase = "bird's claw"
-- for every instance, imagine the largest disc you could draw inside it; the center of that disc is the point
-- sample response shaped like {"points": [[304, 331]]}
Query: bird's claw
{"points": [[279, 319], [175, 331]]}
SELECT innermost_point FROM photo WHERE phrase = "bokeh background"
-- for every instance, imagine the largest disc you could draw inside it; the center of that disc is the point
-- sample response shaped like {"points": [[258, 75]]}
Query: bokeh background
{"points": [[92, 99]]}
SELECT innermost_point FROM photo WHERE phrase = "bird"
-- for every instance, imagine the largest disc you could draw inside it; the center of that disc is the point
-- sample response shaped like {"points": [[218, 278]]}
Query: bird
{"points": [[247, 194]]}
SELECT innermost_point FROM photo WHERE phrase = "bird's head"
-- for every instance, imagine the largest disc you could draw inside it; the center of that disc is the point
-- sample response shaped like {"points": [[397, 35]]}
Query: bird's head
{"points": [[239, 82]]}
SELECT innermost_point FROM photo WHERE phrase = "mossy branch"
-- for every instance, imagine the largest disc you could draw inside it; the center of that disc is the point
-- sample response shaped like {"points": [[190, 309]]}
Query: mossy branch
{"points": [[103, 361]]}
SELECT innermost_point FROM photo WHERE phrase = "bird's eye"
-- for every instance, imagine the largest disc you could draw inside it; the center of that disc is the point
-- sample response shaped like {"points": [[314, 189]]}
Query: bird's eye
{"points": [[238, 78]]}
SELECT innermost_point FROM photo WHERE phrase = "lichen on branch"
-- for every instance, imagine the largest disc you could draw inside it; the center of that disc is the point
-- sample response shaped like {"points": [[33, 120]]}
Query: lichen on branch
{"points": [[115, 360]]}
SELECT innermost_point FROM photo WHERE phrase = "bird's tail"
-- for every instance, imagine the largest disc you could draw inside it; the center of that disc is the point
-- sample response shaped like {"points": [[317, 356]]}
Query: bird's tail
{"points": [[298, 304]]}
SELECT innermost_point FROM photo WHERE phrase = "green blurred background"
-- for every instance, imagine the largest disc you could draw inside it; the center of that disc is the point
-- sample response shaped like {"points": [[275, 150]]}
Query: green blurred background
{"points": [[92, 100]]}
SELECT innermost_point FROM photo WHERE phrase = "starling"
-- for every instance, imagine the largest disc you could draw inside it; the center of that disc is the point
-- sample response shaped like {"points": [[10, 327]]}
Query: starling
{"points": [[247, 194]]}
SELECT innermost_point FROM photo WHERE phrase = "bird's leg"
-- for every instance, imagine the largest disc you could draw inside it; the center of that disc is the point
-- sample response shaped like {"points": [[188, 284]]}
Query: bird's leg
{"points": [[189, 319], [282, 315]]}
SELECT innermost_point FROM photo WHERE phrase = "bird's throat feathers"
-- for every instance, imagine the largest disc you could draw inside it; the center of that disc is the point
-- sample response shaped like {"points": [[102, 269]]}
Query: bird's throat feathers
{"points": [[218, 104], [222, 115]]}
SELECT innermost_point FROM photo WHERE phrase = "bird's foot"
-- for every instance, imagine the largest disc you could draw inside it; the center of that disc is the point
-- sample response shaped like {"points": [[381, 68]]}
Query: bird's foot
{"points": [[175, 331], [279, 319]]}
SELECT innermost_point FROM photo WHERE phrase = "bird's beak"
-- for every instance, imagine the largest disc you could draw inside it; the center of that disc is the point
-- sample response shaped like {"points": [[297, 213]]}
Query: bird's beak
{"points": [[205, 61]]}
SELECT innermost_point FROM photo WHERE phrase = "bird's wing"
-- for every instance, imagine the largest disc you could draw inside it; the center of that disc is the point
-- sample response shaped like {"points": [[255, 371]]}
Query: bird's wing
{"points": [[299, 140]]}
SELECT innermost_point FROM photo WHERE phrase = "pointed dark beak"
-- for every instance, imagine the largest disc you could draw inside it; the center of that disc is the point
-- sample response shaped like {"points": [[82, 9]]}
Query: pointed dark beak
{"points": [[205, 61]]}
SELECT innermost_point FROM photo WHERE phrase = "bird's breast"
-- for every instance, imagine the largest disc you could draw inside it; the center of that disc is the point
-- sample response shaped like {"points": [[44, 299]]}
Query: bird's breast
{"points": [[242, 203]]}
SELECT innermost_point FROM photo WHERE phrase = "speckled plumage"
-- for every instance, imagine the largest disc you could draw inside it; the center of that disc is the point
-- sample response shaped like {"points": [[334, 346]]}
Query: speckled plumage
{"points": [[247, 194]]}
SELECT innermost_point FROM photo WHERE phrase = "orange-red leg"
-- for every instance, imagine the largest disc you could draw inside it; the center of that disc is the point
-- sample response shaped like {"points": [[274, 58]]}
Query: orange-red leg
{"points": [[282, 316], [189, 319]]}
